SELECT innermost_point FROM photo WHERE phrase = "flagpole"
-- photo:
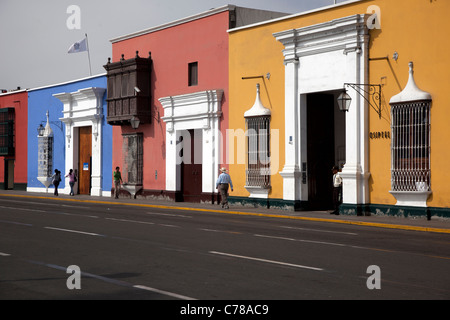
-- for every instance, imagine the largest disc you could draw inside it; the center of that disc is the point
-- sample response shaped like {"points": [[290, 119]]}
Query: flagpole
{"points": [[89, 55]]}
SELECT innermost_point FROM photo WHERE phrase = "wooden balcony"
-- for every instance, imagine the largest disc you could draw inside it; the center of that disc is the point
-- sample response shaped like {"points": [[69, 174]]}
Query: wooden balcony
{"points": [[129, 90]]}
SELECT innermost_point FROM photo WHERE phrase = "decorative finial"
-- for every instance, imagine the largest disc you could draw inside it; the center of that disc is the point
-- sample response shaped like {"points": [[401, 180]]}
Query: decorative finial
{"points": [[137, 54]]}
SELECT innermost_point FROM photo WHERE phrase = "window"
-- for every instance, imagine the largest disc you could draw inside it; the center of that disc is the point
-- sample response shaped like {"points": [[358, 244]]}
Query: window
{"points": [[133, 158], [258, 152], [193, 74], [410, 146], [7, 132]]}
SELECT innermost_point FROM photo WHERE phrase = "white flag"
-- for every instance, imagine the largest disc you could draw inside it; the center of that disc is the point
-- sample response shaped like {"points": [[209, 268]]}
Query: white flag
{"points": [[79, 46]]}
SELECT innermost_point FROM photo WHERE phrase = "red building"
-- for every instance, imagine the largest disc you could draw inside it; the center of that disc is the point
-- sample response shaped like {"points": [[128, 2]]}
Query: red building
{"points": [[170, 82], [13, 140]]}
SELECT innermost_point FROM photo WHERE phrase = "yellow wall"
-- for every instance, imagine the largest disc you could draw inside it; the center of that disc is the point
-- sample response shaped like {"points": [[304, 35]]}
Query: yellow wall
{"points": [[413, 28]]}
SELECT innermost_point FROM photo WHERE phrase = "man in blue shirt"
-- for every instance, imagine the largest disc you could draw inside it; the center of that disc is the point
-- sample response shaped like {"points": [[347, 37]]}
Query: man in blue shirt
{"points": [[222, 184]]}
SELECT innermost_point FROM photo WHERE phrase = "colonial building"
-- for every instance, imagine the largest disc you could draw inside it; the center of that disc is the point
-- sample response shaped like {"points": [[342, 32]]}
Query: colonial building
{"points": [[67, 129], [392, 78], [13, 140], [168, 103]]}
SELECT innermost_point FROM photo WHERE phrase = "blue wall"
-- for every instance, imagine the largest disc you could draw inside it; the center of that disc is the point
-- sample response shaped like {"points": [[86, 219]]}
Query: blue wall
{"points": [[39, 101]]}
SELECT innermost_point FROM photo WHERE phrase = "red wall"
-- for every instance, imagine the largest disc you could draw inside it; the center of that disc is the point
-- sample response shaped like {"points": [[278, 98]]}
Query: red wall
{"points": [[204, 40], [18, 101]]}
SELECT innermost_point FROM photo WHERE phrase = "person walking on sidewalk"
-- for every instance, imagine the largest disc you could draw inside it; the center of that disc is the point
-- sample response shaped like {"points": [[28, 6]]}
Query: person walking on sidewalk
{"points": [[337, 190], [117, 176], [72, 179], [56, 179], [222, 185]]}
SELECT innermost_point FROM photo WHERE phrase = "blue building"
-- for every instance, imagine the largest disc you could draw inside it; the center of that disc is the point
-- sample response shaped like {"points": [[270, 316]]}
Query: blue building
{"points": [[67, 129]]}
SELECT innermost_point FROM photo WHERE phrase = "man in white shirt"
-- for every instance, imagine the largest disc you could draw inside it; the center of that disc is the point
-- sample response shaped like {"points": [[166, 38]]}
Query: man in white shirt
{"points": [[222, 185], [337, 190]]}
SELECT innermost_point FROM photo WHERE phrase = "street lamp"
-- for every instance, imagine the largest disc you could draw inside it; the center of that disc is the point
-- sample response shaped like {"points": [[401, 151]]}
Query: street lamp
{"points": [[344, 101], [135, 122]]}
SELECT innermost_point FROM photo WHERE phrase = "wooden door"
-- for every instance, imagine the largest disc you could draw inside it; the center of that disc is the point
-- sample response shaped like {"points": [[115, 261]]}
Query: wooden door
{"points": [[191, 172], [85, 160], [320, 118]]}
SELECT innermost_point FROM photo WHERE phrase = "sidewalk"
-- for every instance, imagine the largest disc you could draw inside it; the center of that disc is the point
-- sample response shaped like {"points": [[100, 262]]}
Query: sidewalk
{"points": [[439, 225]]}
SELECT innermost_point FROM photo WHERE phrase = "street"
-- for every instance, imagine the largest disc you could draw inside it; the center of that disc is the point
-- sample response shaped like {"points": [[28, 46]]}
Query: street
{"points": [[136, 252]]}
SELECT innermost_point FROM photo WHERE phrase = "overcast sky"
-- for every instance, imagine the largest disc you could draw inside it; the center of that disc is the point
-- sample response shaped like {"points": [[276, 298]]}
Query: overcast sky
{"points": [[35, 37]]}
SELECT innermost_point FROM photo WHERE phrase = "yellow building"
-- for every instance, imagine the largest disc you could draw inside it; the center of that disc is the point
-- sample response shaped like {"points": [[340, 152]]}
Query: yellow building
{"points": [[390, 144]]}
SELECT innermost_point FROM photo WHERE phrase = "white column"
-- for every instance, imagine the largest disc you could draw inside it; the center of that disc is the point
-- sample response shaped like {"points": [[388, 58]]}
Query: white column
{"points": [[356, 170], [291, 172]]}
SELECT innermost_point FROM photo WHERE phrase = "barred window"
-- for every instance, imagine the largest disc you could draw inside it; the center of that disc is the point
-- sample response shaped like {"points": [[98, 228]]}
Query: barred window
{"points": [[258, 152], [133, 158], [410, 168]]}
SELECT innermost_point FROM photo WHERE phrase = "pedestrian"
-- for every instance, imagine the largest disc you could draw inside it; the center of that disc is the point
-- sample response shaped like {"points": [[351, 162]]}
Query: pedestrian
{"points": [[117, 181], [72, 179], [337, 190], [56, 179], [222, 185]]}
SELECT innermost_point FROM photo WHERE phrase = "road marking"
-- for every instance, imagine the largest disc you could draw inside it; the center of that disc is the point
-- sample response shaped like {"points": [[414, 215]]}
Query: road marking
{"points": [[114, 281], [168, 215], [75, 231], [300, 240], [221, 231], [318, 230], [170, 294], [22, 209], [18, 223], [4, 254], [267, 261], [125, 220]]}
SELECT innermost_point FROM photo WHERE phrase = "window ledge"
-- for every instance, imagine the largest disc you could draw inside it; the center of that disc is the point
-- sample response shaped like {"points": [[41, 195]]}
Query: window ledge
{"points": [[258, 192], [411, 198]]}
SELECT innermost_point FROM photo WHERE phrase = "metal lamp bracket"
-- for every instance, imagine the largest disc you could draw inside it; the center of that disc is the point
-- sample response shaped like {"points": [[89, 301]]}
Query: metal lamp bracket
{"points": [[373, 91]]}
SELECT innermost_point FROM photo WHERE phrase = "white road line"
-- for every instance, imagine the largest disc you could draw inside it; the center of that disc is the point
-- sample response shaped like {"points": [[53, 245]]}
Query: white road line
{"points": [[267, 261], [18, 223], [168, 215], [170, 294], [114, 281], [4, 254], [75, 231], [318, 230], [301, 240], [22, 209], [125, 220], [169, 225]]}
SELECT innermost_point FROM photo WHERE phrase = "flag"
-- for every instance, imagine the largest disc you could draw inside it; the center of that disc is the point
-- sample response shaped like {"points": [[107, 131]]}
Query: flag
{"points": [[79, 46]]}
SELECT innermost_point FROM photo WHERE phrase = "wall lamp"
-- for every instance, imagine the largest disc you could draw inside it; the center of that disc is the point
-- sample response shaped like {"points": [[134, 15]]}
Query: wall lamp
{"points": [[371, 90]]}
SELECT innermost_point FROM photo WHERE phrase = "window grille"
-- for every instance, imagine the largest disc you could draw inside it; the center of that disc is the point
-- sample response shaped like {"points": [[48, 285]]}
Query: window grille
{"points": [[258, 152], [133, 158], [410, 146]]}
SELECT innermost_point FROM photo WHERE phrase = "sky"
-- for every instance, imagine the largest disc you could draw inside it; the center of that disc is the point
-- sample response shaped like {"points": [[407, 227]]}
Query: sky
{"points": [[36, 34]]}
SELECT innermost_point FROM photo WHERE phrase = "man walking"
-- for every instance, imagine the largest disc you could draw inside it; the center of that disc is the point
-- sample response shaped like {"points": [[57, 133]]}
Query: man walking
{"points": [[222, 185], [117, 181]]}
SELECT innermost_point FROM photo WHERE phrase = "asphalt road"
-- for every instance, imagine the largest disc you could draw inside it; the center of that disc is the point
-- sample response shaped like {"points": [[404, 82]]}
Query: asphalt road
{"points": [[132, 252]]}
